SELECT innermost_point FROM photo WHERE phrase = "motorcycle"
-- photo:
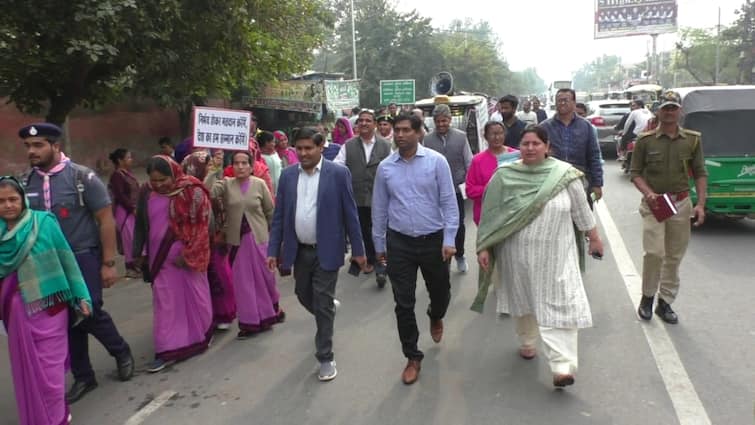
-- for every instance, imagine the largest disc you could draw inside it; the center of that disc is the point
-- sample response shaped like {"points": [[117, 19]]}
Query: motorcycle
{"points": [[624, 157]]}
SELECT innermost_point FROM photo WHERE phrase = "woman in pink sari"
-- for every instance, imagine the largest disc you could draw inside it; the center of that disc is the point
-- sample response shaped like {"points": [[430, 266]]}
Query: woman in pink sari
{"points": [[40, 281], [124, 190], [286, 153], [248, 209], [342, 131], [173, 219]]}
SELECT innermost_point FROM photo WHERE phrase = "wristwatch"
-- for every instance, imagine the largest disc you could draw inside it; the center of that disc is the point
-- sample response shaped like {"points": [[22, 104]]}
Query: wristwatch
{"points": [[110, 263]]}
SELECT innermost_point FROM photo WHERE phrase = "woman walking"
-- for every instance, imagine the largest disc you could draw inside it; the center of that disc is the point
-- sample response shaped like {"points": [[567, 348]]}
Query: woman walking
{"points": [[172, 222], [40, 281], [249, 211], [342, 131], [124, 189], [527, 231]]}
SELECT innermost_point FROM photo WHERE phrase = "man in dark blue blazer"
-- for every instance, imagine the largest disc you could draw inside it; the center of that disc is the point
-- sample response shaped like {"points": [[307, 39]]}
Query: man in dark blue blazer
{"points": [[314, 212]]}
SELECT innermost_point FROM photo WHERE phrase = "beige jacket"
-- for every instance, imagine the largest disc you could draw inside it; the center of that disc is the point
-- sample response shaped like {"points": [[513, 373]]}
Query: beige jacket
{"points": [[256, 205]]}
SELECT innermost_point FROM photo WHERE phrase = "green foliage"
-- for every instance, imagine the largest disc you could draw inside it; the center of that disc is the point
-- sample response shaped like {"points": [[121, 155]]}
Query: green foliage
{"points": [[696, 57], [394, 45], [599, 74], [58, 55]]}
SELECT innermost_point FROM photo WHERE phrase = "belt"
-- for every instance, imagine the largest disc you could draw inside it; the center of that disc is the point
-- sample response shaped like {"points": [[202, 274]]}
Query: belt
{"points": [[308, 245], [432, 235], [679, 196]]}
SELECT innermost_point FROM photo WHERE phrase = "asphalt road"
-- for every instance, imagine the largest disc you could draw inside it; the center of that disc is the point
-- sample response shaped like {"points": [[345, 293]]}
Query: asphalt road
{"points": [[474, 375]]}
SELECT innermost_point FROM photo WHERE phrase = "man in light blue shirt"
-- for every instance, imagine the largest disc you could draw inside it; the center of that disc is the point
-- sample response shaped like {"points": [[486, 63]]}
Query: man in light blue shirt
{"points": [[415, 218]]}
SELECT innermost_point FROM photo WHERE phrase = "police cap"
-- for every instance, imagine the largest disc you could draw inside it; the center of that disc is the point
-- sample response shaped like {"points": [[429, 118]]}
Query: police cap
{"points": [[47, 130]]}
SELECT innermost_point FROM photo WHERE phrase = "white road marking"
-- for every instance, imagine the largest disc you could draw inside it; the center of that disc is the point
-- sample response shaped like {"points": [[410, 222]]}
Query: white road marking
{"points": [[689, 409], [150, 408]]}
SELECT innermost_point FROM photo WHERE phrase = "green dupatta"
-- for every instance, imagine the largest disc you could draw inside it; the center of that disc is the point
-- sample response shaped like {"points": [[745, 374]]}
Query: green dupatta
{"points": [[48, 273], [515, 195]]}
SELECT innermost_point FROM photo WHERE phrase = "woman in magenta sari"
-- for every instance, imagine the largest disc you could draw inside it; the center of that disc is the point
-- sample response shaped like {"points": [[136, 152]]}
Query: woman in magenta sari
{"points": [[342, 131], [286, 153], [248, 208], [124, 189], [40, 280], [172, 222]]}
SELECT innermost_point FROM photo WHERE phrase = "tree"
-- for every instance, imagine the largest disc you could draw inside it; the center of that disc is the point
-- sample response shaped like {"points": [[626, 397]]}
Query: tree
{"points": [[603, 72], [58, 55], [470, 54], [742, 38], [696, 55]]}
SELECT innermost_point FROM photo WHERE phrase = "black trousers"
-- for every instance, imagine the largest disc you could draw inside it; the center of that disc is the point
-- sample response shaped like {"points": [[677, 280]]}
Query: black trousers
{"points": [[461, 233], [99, 324], [405, 255], [315, 288], [365, 222]]}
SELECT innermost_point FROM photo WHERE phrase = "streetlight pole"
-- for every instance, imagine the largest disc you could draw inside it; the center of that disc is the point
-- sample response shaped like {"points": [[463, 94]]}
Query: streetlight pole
{"points": [[718, 48], [353, 41]]}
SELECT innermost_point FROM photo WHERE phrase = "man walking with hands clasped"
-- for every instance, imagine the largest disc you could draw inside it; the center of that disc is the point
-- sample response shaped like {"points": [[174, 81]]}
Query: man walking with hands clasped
{"points": [[414, 218]]}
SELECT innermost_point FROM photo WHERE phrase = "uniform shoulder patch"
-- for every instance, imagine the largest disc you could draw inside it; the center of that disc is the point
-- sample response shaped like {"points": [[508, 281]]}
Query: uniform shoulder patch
{"points": [[693, 132], [645, 134]]}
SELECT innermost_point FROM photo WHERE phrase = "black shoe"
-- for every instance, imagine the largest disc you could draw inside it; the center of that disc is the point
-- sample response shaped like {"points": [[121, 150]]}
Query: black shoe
{"points": [[645, 310], [381, 279], [664, 311], [125, 366], [79, 390]]}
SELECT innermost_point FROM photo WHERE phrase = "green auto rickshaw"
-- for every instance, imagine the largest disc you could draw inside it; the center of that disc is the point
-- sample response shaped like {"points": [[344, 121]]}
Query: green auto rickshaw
{"points": [[725, 116]]}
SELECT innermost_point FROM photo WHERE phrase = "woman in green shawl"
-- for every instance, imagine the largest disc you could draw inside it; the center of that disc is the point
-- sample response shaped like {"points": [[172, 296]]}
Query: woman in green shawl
{"points": [[527, 236], [40, 280]]}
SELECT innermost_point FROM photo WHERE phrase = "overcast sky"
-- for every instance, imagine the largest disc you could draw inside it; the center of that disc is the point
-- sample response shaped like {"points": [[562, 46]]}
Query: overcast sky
{"points": [[556, 36]]}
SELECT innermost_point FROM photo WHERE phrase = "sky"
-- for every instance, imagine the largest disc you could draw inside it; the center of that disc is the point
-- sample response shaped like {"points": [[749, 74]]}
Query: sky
{"points": [[556, 36]]}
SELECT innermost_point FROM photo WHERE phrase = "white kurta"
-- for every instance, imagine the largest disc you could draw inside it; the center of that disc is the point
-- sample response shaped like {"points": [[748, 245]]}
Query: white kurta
{"points": [[539, 266]]}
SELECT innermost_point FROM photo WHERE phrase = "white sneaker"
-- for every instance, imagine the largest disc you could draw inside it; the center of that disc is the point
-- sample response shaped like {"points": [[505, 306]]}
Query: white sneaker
{"points": [[223, 326], [336, 303], [327, 371], [461, 264]]}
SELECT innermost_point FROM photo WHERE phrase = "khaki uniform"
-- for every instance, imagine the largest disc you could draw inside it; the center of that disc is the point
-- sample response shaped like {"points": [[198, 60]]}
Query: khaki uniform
{"points": [[666, 164]]}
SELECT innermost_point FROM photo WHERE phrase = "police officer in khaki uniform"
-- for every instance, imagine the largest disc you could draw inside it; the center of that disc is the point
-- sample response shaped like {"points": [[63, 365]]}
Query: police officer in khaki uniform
{"points": [[663, 161]]}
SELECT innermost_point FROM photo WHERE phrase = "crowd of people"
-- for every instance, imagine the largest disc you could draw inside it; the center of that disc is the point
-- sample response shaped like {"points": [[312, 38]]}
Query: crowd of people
{"points": [[210, 230]]}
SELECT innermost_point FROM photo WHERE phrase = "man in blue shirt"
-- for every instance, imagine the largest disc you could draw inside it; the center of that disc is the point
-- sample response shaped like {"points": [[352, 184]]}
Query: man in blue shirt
{"points": [[573, 140], [415, 217]]}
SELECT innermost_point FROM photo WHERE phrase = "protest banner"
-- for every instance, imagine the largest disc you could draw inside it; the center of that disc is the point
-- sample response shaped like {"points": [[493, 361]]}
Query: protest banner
{"points": [[216, 128]]}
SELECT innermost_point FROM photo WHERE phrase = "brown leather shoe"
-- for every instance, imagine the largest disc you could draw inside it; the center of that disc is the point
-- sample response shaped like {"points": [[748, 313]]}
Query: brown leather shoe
{"points": [[411, 371], [436, 329]]}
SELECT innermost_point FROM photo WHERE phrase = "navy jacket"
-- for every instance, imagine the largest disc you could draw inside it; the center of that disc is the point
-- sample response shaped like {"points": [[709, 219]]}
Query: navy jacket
{"points": [[336, 218]]}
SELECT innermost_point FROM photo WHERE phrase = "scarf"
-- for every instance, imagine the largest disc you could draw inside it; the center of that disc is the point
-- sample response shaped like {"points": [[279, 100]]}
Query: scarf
{"points": [[64, 160], [341, 138], [189, 214], [48, 273], [516, 195]]}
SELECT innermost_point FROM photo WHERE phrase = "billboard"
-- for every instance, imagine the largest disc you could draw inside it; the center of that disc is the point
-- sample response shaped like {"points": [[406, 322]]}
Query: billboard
{"points": [[622, 18], [299, 96]]}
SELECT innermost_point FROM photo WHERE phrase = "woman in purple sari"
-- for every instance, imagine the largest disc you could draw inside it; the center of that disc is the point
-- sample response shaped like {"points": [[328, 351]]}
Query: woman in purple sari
{"points": [[40, 280], [172, 222], [249, 212], [124, 189]]}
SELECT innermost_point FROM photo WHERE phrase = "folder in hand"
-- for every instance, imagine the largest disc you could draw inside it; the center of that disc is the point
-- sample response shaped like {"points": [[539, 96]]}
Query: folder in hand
{"points": [[664, 208]]}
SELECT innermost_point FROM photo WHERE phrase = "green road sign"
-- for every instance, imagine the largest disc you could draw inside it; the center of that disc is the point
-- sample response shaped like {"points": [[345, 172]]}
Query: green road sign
{"points": [[396, 91]]}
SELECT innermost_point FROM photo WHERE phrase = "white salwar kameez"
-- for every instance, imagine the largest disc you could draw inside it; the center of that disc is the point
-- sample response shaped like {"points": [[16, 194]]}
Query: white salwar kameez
{"points": [[538, 268]]}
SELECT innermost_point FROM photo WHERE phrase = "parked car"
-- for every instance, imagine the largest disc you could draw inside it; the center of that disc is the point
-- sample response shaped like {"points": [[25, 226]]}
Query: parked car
{"points": [[604, 115]]}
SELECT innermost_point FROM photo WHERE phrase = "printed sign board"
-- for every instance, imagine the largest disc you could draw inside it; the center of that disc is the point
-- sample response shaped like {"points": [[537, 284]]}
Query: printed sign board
{"points": [[299, 96], [400, 92], [341, 95], [622, 18], [216, 128]]}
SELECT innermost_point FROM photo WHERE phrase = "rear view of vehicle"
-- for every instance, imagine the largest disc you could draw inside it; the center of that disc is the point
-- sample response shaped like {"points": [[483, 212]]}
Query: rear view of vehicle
{"points": [[724, 116], [605, 115]]}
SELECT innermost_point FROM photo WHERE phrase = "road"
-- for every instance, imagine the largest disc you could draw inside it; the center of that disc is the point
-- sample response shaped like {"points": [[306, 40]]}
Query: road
{"points": [[630, 372]]}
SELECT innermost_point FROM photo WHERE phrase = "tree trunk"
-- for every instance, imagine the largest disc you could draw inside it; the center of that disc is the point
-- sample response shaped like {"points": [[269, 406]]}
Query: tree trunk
{"points": [[60, 107]]}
